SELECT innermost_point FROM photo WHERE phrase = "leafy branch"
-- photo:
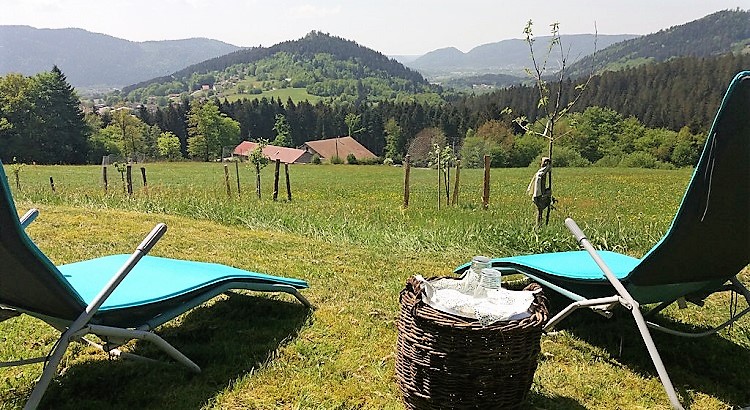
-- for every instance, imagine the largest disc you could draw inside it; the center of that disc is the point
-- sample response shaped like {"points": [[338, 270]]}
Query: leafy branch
{"points": [[550, 103]]}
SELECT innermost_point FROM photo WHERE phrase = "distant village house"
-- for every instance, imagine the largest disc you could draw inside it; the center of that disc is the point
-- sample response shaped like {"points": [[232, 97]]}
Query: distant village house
{"points": [[338, 147], [272, 152]]}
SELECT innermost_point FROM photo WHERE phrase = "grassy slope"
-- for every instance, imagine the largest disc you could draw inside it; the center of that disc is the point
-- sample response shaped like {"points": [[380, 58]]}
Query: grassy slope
{"points": [[347, 235], [296, 94]]}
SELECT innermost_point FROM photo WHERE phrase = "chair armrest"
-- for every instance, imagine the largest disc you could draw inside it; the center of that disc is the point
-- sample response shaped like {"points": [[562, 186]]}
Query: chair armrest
{"points": [[584, 242], [28, 217], [150, 240], [574, 229]]}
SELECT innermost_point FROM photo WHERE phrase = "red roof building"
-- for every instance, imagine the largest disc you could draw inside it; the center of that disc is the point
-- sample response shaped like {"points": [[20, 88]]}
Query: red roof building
{"points": [[338, 147], [272, 152]]}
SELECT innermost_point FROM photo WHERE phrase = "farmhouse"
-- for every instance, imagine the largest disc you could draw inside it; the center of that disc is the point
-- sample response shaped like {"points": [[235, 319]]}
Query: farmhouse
{"points": [[272, 152], [338, 147]]}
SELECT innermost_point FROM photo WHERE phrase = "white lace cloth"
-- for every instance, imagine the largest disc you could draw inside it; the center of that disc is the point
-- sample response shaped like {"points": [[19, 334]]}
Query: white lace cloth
{"points": [[457, 297]]}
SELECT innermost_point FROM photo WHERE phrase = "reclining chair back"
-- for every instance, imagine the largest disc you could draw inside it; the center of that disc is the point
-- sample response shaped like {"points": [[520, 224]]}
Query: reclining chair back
{"points": [[29, 281], [709, 240]]}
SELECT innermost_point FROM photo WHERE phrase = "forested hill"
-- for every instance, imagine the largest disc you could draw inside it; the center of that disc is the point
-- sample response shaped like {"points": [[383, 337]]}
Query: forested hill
{"points": [[305, 63], [718, 33], [680, 92], [98, 60]]}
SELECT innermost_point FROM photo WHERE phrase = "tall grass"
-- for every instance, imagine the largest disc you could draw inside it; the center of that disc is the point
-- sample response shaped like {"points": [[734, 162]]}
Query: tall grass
{"points": [[363, 204], [347, 234]]}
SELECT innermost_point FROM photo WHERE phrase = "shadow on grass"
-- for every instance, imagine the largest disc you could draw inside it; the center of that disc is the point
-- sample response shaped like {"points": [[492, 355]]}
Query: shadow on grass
{"points": [[540, 401], [228, 339], [713, 365]]}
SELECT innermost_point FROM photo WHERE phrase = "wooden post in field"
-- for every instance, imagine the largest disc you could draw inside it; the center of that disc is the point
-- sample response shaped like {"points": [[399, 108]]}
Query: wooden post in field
{"points": [[447, 176], [288, 184], [439, 178], [257, 180], [226, 180], [237, 173], [143, 176], [129, 176], [407, 169], [486, 192], [52, 184], [104, 177], [276, 180], [454, 201]]}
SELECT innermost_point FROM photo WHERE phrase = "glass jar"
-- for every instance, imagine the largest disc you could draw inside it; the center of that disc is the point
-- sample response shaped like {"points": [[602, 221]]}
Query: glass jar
{"points": [[470, 279], [489, 279]]}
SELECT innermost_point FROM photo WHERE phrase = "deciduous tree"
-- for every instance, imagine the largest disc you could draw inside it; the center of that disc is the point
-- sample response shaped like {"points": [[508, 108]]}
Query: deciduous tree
{"points": [[169, 146], [283, 132], [210, 131]]}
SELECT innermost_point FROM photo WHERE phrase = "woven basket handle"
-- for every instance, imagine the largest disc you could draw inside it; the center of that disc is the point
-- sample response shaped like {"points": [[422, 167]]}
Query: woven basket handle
{"points": [[415, 287]]}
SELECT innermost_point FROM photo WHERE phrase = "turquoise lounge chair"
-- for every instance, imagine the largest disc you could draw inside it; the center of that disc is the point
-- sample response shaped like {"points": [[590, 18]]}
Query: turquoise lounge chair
{"points": [[705, 248], [117, 298]]}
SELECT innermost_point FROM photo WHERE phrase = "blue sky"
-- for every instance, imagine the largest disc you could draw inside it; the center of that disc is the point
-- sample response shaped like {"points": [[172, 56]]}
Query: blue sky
{"points": [[389, 26]]}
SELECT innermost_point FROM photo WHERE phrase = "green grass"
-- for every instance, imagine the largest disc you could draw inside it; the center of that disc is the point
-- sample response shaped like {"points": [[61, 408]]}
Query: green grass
{"points": [[296, 94], [347, 234]]}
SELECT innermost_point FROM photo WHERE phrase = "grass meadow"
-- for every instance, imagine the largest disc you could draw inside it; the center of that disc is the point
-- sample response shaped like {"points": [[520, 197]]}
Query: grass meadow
{"points": [[346, 233]]}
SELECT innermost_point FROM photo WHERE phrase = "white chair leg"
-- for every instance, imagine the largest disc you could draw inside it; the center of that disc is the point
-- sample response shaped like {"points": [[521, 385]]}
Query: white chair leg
{"points": [[147, 336], [50, 369]]}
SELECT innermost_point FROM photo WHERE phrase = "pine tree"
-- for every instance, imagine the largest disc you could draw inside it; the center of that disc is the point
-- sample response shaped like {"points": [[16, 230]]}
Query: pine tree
{"points": [[59, 133]]}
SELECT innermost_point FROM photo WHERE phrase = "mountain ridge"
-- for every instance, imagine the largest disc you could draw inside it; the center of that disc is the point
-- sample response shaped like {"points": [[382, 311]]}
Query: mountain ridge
{"points": [[91, 59], [509, 56]]}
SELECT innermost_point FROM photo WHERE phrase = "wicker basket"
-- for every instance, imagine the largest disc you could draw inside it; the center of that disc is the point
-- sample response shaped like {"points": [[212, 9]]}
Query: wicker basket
{"points": [[450, 362]]}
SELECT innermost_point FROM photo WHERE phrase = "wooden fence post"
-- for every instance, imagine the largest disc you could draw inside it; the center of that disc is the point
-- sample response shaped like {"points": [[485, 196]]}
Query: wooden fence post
{"points": [[454, 201], [104, 177], [447, 179], [276, 180], [440, 176], [237, 172], [486, 192], [407, 169], [257, 179], [143, 176], [52, 184], [129, 176], [226, 180], [288, 184]]}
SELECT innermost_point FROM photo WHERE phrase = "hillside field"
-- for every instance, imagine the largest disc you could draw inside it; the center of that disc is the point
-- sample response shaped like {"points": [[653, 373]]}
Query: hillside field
{"points": [[346, 233]]}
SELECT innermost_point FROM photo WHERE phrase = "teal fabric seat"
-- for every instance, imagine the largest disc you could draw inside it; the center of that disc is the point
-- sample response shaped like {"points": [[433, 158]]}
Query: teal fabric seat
{"points": [[156, 284], [559, 264], [155, 279]]}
